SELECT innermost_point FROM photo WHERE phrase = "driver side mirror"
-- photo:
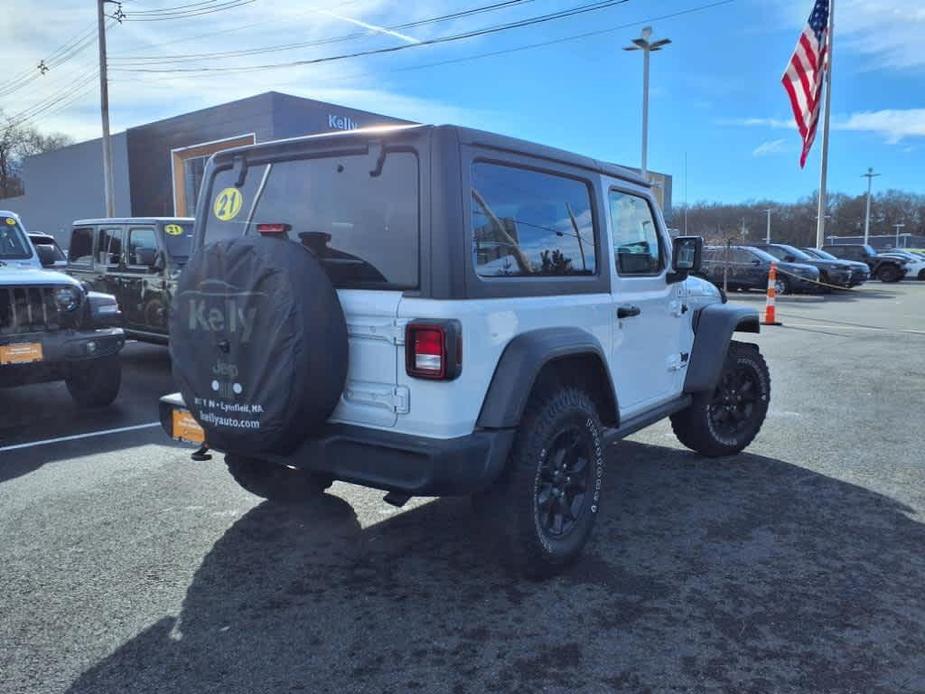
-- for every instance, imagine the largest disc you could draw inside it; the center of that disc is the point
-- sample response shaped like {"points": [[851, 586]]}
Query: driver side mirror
{"points": [[46, 254], [686, 257]]}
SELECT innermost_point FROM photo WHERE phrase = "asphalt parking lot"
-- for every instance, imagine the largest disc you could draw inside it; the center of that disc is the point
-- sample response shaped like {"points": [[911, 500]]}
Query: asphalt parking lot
{"points": [[797, 566]]}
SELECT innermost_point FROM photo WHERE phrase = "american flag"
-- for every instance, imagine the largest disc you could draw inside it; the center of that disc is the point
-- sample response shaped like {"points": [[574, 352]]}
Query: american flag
{"points": [[805, 74]]}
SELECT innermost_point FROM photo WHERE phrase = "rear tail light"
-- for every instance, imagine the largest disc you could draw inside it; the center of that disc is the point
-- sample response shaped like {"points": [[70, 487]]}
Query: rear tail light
{"points": [[272, 229], [433, 350]]}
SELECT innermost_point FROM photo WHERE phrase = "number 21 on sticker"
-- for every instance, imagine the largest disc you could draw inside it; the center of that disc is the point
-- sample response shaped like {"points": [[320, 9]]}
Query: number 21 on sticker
{"points": [[227, 204]]}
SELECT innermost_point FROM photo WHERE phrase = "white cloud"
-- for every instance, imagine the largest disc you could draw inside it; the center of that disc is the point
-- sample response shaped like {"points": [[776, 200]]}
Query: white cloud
{"points": [[769, 147], [894, 125], [33, 32], [888, 32]]}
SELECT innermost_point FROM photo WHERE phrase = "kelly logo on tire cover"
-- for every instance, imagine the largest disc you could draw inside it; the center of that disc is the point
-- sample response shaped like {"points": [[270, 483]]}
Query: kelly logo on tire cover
{"points": [[229, 314]]}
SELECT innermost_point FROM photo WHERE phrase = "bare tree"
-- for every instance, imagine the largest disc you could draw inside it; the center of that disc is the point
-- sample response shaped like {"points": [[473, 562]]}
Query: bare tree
{"points": [[18, 141]]}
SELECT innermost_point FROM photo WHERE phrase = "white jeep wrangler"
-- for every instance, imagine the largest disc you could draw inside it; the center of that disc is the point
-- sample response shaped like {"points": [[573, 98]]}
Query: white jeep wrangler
{"points": [[437, 310]]}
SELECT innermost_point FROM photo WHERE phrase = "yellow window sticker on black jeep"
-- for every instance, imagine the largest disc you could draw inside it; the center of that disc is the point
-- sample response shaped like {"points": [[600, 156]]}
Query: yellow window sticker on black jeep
{"points": [[10, 221], [173, 229], [227, 204]]}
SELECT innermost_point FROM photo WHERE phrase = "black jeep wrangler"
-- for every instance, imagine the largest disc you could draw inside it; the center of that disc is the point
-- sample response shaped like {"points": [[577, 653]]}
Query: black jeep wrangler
{"points": [[137, 260]]}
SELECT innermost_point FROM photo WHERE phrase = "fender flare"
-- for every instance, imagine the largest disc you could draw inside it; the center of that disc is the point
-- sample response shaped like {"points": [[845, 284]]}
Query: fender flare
{"points": [[713, 328], [520, 364]]}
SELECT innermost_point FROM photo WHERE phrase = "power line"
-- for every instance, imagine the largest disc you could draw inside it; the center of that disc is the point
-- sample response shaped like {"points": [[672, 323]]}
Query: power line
{"points": [[58, 57], [229, 5], [514, 49], [166, 59], [562, 14]]}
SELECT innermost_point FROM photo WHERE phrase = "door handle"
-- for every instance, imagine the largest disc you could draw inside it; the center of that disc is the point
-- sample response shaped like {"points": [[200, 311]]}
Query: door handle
{"points": [[628, 311]]}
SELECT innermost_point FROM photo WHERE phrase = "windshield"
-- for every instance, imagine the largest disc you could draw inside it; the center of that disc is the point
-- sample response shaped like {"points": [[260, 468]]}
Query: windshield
{"points": [[50, 242], [363, 227], [13, 242], [765, 255], [178, 239], [821, 254], [791, 250]]}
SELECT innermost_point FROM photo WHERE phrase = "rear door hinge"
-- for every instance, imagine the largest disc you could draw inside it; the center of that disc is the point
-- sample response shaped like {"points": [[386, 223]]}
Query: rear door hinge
{"points": [[395, 398], [390, 331]]}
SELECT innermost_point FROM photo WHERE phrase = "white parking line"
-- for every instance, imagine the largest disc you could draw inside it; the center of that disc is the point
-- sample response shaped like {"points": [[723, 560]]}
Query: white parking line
{"points": [[91, 434]]}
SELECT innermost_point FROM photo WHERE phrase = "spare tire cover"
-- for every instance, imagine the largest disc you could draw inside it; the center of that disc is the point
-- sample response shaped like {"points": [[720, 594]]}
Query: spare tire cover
{"points": [[258, 342]]}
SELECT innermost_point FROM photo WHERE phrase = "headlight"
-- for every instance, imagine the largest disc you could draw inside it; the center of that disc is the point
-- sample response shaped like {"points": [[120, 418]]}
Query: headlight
{"points": [[68, 298]]}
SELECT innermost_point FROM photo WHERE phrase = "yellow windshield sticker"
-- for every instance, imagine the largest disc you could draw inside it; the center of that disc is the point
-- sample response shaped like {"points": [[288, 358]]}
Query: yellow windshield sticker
{"points": [[173, 229], [10, 221], [227, 204]]}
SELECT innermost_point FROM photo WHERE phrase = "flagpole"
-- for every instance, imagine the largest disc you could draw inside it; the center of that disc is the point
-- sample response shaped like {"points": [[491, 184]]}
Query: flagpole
{"points": [[821, 205]]}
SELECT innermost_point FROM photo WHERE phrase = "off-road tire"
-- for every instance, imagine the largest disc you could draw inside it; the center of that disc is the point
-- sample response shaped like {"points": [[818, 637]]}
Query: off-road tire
{"points": [[889, 273], [95, 383], [696, 426], [512, 507], [275, 482]]}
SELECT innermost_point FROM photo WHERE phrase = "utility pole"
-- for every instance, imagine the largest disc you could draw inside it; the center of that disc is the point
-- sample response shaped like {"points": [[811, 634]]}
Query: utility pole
{"points": [[870, 175], [108, 195], [643, 44], [767, 238], [744, 231]]}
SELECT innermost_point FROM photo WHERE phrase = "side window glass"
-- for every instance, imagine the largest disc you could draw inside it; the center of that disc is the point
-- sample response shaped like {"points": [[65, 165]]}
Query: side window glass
{"points": [[109, 247], [635, 237], [81, 250], [530, 224], [142, 245]]}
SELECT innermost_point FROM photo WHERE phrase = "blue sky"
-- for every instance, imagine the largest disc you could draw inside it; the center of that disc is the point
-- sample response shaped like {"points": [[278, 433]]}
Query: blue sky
{"points": [[716, 94]]}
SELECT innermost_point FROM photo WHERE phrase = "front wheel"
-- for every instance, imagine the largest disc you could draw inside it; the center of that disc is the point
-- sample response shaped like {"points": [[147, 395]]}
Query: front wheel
{"points": [[726, 420], [889, 274], [543, 507], [95, 383], [275, 482]]}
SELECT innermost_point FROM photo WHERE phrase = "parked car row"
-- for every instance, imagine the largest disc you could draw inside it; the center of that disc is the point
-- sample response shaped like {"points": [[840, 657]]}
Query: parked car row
{"points": [[808, 270]]}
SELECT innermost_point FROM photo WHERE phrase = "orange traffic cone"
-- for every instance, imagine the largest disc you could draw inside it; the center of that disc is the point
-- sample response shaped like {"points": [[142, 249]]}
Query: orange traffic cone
{"points": [[770, 314]]}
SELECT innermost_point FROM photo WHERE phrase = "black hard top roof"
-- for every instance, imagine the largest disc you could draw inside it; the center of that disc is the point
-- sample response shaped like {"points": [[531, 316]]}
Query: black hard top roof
{"points": [[467, 136], [133, 220]]}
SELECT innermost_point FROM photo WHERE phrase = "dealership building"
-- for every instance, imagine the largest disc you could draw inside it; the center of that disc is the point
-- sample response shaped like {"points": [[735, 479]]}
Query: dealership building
{"points": [[158, 167]]}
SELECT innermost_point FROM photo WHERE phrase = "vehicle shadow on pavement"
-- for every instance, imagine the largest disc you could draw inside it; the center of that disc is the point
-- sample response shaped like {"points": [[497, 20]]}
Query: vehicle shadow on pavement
{"points": [[743, 574]]}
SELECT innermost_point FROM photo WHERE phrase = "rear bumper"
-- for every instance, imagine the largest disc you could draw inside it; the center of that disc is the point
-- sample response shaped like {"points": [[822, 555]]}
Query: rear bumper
{"points": [[386, 460]]}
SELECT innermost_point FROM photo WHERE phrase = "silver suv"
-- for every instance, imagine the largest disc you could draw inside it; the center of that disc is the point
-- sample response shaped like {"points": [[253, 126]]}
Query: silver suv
{"points": [[437, 310]]}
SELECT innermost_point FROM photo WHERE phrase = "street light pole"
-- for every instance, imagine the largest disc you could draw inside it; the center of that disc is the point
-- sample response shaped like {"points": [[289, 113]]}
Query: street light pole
{"points": [[643, 44], [870, 175], [898, 227], [768, 235]]}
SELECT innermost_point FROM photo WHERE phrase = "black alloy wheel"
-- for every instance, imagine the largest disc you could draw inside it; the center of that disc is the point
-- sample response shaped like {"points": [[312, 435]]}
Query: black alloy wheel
{"points": [[735, 402], [563, 481]]}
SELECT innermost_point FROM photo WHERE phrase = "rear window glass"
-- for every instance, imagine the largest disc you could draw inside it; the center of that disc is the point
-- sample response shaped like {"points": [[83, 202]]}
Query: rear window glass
{"points": [[530, 224], [178, 238], [363, 228]]}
